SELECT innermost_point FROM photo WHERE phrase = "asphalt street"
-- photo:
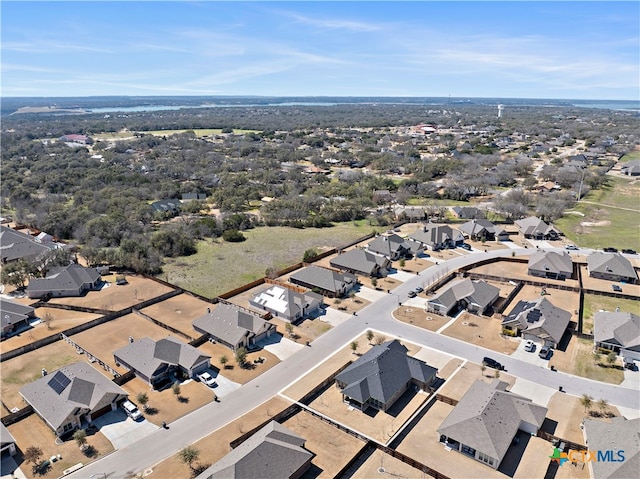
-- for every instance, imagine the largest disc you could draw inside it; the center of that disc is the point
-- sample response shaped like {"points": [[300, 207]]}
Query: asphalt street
{"points": [[161, 444]]}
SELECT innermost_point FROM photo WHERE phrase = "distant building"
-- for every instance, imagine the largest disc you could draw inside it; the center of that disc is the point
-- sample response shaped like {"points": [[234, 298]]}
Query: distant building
{"points": [[172, 206], [631, 168], [483, 230], [392, 247], [78, 139], [468, 212], [436, 237]]}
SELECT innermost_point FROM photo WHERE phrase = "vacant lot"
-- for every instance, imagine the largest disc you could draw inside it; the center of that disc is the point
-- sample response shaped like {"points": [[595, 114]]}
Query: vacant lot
{"points": [[179, 312], [518, 271], [33, 431], [483, 331], [579, 359], [220, 266], [333, 448], [594, 303], [603, 224]]}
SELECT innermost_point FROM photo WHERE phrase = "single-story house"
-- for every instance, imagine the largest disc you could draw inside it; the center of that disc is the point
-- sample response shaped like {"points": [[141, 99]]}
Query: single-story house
{"points": [[619, 332], [474, 296], [234, 326], [436, 237], [392, 247], [76, 138], [483, 230], [333, 284], [7, 442], [359, 261], [273, 451], [468, 212], [550, 264], [71, 280], [486, 420], [411, 213], [153, 361], [380, 376], [285, 303], [186, 197], [14, 316], [172, 205], [611, 266], [538, 319], [619, 435], [15, 245], [631, 168], [72, 396], [537, 229]]}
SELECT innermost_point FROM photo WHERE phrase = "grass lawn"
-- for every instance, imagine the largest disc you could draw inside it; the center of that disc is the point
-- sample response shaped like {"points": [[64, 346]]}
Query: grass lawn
{"points": [[113, 135], [220, 266], [587, 366], [632, 155], [594, 303], [602, 225]]}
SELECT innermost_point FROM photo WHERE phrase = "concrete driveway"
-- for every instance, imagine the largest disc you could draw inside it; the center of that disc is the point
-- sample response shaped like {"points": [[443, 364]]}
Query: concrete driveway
{"points": [[531, 358], [537, 393], [334, 317], [121, 430], [280, 346], [433, 357], [225, 386], [371, 294], [401, 276]]}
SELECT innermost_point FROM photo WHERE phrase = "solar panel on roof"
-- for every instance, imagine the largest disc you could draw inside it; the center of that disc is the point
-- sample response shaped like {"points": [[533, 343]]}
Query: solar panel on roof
{"points": [[533, 316], [59, 382]]}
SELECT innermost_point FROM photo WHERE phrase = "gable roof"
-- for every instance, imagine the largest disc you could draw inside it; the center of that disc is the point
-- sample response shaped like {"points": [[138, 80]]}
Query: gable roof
{"points": [[285, 301], [388, 245], [619, 434], [360, 260], [147, 356], [383, 371], [540, 313], [12, 313], [617, 327], [433, 234], [173, 205], [468, 212], [78, 385], [610, 263], [551, 261], [5, 436], [16, 244], [476, 227], [534, 226], [488, 417], [66, 279], [324, 278], [230, 324], [273, 451], [478, 292]]}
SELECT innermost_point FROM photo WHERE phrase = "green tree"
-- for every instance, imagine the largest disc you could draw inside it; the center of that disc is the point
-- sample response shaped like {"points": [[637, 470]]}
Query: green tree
{"points": [[289, 328], [143, 400], [176, 389], [80, 436], [233, 236], [241, 356], [15, 274], [224, 360], [33, 455], [369, 335], [188, 456], [354, 346], [402, 263], [611, 358], [374, 282], [309, 255], [586, 401]]}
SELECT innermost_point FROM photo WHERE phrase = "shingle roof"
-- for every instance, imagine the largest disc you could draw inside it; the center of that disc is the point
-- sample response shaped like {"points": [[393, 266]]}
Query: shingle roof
{"points": [[272, 452], [66, 280], [552, 262], [610, 263], [285, 301], [325, 279], [619, 434], [534, 226], [230, 324], [433, 234], [173, 204], [16, 244], [359, 260], [477, 226], [617, 327], [79, 385], [12, 313], [468, 212], [540, 314], [488, 417], [383, 371], [388, 245], [147, 356], [477, 292], [5, 436]]}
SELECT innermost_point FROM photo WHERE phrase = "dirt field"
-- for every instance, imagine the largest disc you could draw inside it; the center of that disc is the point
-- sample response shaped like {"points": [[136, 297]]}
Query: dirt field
{"points": [[216, 445], [333, 448], [483, 331], [392, 466], [33, 431], [605, 285], [59, 320], [179, 312], [579, 359], [234, 372], [307, 330], [418, 317], [457, 386], [515, 271], [114, 297], [26, 368]]}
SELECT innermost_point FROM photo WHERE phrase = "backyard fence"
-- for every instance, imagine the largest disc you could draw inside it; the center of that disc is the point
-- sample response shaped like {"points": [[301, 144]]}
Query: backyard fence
{"points": [[91, 357]]}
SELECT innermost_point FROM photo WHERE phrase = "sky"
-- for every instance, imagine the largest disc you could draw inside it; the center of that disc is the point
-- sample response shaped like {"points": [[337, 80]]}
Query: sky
{"points": [[506, 49]]}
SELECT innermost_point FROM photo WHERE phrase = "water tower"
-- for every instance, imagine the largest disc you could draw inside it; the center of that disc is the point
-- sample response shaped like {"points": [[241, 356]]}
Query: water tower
{"points": [[500, 108]]}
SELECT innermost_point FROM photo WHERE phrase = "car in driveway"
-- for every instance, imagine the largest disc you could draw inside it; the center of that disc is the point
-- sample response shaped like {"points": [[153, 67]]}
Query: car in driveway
{"points": [[412, 294], [466, 246], [616, 288], [610, 250], [492, 363], [629, 251], [132, 410], [571, 247], [546, 352], [419, 289], [529, 346], [207, 379]]}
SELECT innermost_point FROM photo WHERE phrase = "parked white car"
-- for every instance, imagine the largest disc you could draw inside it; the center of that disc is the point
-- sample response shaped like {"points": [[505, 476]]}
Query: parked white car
{"points": [[132, 410], [529, 346], [207, 379]]}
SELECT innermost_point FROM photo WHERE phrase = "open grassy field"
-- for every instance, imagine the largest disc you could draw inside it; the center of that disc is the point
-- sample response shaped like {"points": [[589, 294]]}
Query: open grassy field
{"points": [[593, 304], [220, 266], [605, 223], [632, 155]]}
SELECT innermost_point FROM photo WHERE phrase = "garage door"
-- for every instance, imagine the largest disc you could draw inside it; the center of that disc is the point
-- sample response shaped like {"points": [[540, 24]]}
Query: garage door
{"points": [[101, 411]]}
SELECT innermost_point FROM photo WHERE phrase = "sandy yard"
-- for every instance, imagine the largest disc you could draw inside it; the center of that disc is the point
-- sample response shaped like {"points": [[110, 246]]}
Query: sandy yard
{"points": [[307, 330], [418, 317], [487, 245], [26, 368], [605, 285], [179, 312], [383, 284], [115, 297], [392, 466], [459, 384], [33, 431], [216, 445], [54, 321], [483, 331], [579, 359], [515, 271], [333, 448], [564, 415], [234, 372]]}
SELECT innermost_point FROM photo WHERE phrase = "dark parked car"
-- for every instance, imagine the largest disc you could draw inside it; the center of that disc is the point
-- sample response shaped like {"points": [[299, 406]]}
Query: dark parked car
{"points": [[616, 288], [492, 363], [545, 352], [412, 294], [610, 250], [629, 251], [466, 246], [419, 289]]}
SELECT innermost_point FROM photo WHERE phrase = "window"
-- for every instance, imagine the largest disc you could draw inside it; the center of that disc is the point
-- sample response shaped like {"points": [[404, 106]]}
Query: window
{"points": [[486, 459]]}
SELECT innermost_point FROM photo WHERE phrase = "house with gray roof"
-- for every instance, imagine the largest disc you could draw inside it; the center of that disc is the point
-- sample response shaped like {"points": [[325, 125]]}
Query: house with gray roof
{"points": [[468, 212], [412, 213], [286, 303], [436, 237], [171, 206], [392, 247], [334, 284], [71, 280], [550, 264], [380, 376], [537, 320], [618, 436], [14, 316], [7, 441], [611, 266], [483, 230], [154, 361], [619, 332], [72, 396], [272, 452], [233, 326], [15, 245], [535, 228], [486, 420], [359, 261], [474, 296], [631, 168]]}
